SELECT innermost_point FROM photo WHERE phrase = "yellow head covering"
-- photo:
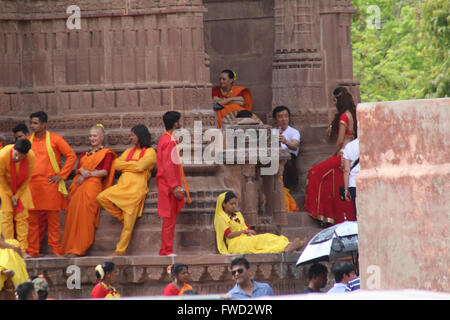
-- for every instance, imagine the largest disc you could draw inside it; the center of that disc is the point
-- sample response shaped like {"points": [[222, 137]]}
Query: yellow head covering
{"points": [[222, 222]]}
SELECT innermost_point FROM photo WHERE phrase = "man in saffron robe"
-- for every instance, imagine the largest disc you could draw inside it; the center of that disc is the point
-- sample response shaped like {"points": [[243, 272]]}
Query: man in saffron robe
{"points": [[47, 185], [125, 200], [229, 96], [169, 181], [16, 167]]}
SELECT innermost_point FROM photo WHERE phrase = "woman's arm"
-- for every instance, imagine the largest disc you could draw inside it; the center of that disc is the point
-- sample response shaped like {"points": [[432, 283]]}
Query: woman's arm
{"points": [[346, 178], [340, 140]]}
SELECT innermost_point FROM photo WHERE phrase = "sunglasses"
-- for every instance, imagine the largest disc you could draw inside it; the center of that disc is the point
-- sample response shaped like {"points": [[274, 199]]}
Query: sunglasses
{"points": [[237, 271]]}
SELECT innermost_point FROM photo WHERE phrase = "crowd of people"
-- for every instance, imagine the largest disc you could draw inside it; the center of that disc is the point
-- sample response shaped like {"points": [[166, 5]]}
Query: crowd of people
{"points": [[33, 189]]}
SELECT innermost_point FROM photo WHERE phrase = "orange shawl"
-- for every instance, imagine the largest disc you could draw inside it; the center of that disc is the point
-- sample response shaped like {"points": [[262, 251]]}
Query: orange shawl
{"points": [[235, 92]]}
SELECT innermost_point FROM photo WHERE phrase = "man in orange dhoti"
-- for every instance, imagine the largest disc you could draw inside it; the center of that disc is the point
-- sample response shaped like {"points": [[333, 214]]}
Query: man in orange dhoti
{"points": [[230, 97], [169, 182], [125, 200], [94, 174], [16, 167], [47, 186]]}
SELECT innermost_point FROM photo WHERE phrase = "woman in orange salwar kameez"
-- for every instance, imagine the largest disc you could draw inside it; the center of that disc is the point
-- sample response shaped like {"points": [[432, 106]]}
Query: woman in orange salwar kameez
{"points": [[229, 96], [94, 173], [322, 199]]}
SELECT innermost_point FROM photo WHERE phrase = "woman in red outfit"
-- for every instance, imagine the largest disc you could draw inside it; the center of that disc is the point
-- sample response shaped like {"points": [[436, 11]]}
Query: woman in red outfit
{"points": [[322, 199], [180, 274], [106, 275]]}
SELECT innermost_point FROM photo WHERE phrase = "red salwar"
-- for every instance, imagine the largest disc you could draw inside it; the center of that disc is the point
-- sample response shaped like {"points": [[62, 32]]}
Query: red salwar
{"points": [[168, 177]]}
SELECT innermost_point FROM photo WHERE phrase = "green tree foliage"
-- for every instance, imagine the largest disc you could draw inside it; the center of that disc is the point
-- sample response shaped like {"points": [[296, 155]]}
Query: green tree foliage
{"points": [[401, 49]]}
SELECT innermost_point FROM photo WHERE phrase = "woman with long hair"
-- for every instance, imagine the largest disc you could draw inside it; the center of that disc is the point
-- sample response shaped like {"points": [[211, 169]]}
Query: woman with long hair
{"points": [[322, 199], [125, 200], [94, 173], [228, 97]]}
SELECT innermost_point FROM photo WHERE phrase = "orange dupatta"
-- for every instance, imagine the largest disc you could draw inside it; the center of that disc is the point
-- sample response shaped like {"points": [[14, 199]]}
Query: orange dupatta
{"points": [[235, 91]]}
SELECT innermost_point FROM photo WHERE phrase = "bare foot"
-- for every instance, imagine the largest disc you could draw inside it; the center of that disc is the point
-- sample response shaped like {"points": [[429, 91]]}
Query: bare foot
{"points": [[8, 273], [296, 245], [117, 254], [26, 255], [70, 255]]}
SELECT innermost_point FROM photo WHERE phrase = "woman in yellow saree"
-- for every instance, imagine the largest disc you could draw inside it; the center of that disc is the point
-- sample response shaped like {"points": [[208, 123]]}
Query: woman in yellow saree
{"points": [[233, 235]]}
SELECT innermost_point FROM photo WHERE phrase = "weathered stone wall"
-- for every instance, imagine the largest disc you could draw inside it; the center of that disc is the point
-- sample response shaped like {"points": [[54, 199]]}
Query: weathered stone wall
{"points": [[402, 194]]}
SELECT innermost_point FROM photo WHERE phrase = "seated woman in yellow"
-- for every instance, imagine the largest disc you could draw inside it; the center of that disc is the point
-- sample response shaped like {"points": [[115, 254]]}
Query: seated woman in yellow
{"points": [[233, 235], [125, 200], [13, 269], [228, 97]]}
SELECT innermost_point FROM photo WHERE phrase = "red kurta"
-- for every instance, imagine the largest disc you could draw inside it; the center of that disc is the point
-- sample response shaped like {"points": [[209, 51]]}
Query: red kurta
{"points": [[167, 178]]}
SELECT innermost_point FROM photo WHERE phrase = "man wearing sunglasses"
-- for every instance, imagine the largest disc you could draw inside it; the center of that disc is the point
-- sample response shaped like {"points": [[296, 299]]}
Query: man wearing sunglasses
{"points": [[245, 286]]}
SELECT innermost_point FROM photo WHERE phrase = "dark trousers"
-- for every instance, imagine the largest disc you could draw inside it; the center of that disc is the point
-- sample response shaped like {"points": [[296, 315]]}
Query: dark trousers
{"points": [[290, 173], [352, 191]]}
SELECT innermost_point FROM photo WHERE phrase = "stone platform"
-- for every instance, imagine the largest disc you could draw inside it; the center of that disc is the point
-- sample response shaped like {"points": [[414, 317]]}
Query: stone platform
{"points": [[146, 275]]}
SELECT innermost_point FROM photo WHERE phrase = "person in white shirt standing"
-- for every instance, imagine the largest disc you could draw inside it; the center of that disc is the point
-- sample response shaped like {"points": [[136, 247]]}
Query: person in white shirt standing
{"points": [[290, 141], [343, 273], [351, 169]]}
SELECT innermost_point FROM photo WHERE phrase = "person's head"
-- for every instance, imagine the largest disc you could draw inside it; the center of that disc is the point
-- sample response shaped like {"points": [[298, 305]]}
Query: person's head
{"points": [[140, 136], [318, 275], [38, 121], [344, 102], [344, 272], [97, 135], [230, 202], [281, 115], [244, 114], [20, 131], [26, 291], [226, 79], [179, 272], [171, 120], [41, 287], [20, 150], [240, 270], [106, 272]]}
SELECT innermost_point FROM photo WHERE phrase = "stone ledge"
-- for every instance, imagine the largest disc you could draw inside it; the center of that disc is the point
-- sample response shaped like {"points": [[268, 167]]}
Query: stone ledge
{"points": [[146, 275]]}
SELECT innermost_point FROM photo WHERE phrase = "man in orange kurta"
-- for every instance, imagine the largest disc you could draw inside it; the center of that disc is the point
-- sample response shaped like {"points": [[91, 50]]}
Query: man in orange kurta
{"points": [[16, 167], [47, 182]]}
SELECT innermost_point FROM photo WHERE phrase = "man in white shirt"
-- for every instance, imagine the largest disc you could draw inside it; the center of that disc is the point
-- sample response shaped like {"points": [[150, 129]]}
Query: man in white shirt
{"points": [[343, 273], [290, 141], [351, 169]]}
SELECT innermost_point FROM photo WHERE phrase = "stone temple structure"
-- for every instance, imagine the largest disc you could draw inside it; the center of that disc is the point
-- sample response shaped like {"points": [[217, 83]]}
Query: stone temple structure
{"points": [[126, 62]]}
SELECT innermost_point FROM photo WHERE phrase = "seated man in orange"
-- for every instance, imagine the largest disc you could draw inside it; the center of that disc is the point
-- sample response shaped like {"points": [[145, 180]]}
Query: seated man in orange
{"points": [[228, 97], [16, 167], [47, 185]]}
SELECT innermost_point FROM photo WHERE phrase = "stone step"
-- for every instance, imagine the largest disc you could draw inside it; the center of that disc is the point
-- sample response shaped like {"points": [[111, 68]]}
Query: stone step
{"points": [[301, 219]]}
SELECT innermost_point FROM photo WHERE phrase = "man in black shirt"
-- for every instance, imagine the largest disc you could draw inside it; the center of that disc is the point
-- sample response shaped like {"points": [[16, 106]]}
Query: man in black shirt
{"points": [[318, 277]]}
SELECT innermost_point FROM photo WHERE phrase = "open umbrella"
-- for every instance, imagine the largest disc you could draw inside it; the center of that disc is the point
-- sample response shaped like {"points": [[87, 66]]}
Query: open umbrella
{"points": [[338, 241]]}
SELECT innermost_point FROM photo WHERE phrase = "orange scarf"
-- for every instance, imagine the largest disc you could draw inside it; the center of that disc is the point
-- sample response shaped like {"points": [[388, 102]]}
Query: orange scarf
{"points": [[17, 180], [131, 154], [181, 168]]}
